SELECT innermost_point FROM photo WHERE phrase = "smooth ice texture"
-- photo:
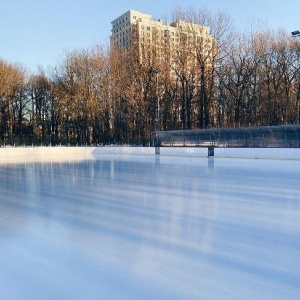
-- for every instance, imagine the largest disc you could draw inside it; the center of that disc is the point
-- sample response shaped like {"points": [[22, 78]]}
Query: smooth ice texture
{"points": [[146, 227]]}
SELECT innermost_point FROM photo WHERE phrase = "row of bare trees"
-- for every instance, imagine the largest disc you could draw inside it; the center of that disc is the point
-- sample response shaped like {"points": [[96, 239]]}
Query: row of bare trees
{"points": [[96, 96]]}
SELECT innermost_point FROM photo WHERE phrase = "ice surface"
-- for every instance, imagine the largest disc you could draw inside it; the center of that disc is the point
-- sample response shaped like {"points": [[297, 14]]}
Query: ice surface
{"points": [[146, 227]]}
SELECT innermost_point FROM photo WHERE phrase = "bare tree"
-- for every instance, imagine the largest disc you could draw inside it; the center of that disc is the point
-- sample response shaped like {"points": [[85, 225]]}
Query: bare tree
{"points": [[40, 95], [12, 80], [208, 50], [81, 82]]}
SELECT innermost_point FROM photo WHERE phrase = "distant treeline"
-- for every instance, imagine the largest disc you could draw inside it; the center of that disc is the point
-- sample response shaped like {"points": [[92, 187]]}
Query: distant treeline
{"points": [[99, 96]]}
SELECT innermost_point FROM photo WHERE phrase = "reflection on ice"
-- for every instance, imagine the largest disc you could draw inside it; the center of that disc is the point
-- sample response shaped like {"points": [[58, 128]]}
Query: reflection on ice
{"points": [[150, 228]]}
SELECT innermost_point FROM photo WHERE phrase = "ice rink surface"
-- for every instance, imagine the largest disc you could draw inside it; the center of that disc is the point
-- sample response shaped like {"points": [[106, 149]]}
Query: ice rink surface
{"points": [[146, 227]]}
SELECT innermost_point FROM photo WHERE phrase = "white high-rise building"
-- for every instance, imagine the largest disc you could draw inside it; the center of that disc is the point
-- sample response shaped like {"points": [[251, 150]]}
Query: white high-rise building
{"points": [[134, 27]]}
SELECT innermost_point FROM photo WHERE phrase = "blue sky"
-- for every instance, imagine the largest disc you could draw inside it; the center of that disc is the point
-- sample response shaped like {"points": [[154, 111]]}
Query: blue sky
{"points": [[38, 32]]}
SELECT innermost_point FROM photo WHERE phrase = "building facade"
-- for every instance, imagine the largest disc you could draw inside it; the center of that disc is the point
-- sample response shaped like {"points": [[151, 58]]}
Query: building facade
{"points": [[137, 28]]}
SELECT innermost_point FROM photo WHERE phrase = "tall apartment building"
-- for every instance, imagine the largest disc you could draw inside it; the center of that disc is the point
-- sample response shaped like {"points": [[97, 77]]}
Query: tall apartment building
{"points": [[137, 28]]}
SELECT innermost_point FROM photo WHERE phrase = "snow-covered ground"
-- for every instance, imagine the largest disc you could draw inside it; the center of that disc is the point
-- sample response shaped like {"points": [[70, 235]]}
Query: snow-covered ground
{"points": [[94, 226]]}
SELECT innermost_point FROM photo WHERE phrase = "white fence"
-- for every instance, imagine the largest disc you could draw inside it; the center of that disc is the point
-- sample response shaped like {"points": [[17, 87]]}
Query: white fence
{"points": [[48, 154]]}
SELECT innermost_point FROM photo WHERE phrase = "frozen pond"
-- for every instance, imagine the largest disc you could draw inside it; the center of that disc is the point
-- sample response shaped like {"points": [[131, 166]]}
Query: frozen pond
{"points": [[142, 227]]}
